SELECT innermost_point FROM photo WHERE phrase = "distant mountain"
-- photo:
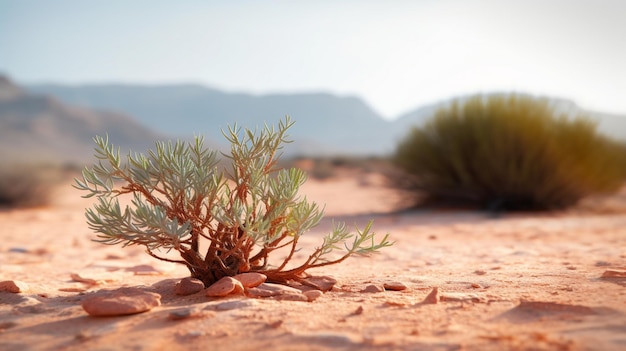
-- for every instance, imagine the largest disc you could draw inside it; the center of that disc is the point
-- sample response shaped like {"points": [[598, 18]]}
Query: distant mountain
{"points": [[325, 124], [40, 128]]}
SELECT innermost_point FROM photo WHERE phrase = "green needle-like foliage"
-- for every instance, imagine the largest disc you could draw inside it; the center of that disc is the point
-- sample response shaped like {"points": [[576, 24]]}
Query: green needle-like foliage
{"points": [[181, 199]]}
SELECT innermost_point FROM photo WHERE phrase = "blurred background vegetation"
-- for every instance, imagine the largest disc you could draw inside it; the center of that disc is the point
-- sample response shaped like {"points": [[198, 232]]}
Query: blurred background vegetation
{"points": [[30, 184], [497, 151], [511, 152]]}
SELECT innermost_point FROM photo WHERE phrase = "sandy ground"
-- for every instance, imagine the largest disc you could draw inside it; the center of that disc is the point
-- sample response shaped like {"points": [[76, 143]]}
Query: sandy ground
{"points": [[515, 282]]}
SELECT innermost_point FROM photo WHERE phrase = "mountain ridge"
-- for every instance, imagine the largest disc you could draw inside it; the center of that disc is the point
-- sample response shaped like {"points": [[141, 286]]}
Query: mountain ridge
{"points": [[323, 120], [40, 128], [326, 124]]}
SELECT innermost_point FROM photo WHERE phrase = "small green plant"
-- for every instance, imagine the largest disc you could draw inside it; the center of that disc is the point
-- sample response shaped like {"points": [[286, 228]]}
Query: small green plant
{"points": [[511, 152], [221, 223]]}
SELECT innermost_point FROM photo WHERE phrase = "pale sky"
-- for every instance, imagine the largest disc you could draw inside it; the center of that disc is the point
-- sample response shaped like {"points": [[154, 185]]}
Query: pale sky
{"points": [[396, 55]]}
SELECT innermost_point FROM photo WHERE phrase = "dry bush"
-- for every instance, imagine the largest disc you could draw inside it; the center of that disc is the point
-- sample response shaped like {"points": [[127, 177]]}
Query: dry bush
{"points": [[27, 184], [221, 224], [511, 152]]}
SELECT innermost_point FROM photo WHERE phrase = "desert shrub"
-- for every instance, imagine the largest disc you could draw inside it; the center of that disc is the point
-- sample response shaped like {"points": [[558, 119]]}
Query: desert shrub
{"points": [[510, 151], [180, 199], [27, 184]]}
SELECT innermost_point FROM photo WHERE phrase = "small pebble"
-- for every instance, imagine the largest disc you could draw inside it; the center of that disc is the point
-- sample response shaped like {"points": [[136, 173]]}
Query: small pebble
{"points": [[269, 289], [187, 313], [394, 286], [323, 283], [120, 302], [251, 279], [182, 313], [224, 287], [189, 286], [373, 288], [614, 273], [432, 297], [312, 295], [395, 303], [89, 281], [358, 311], [13, 286], [275, 324], [460, 297]]}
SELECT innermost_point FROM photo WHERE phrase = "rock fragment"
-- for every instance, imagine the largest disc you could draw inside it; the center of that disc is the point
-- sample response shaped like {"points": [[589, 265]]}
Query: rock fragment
{"points": [[186, 313], [89, 281], [323, 283], [394, 286], [123, 301], [189, 286], [541, 307], [224, 287], [13, 286], [373, 288], [277, 292], [358, 311], [312, 295], [614, 273], [276, 289], [460, 297], [251, 279], [432, 297]]}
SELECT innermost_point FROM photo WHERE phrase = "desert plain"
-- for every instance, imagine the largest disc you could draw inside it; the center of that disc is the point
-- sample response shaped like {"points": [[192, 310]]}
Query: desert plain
{"points": [[474, 281]]}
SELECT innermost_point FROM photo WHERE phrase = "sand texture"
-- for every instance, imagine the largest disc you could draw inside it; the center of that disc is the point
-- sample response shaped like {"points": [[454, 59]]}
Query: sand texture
{"points": [[523, 281]]}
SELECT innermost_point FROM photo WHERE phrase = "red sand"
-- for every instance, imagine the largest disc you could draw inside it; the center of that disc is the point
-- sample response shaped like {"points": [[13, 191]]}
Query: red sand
{"points": [[517, 282]]}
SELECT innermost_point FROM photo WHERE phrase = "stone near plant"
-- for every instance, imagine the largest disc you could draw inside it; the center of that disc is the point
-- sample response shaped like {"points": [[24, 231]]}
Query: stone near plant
{"points": [[272, 290], [189, 286], [251, 279], [123, 301], [323, 283], [225, 286]]}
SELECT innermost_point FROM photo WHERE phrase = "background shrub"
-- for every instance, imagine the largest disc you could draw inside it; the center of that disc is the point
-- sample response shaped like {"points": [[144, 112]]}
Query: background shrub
{"points": [[28, 184], [511, 151]]}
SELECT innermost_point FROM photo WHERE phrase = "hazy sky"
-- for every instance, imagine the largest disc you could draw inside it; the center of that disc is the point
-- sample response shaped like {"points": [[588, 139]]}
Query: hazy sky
{"points": [[397, 55]]}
